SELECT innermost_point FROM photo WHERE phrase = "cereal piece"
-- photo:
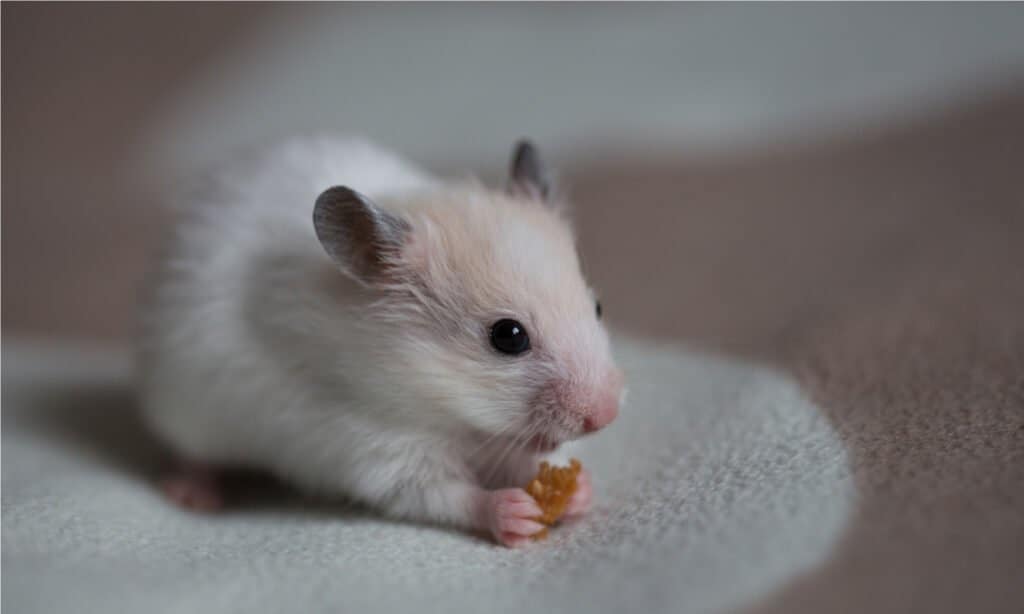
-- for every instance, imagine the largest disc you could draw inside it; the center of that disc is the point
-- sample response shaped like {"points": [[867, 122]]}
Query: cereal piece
{"points": [[553, 488]]}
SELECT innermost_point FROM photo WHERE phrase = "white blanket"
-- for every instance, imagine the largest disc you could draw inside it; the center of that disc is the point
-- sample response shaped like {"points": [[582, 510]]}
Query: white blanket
{"points": [[718, 485]]}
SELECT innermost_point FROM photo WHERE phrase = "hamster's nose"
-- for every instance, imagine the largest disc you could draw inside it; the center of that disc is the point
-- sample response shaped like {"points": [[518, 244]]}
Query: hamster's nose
{"points": [[606, 408], [602, 415]]}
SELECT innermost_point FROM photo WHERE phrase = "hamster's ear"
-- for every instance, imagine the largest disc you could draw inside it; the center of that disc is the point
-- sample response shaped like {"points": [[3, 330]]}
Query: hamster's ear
{"points": [[528, 176], [359, 236]]}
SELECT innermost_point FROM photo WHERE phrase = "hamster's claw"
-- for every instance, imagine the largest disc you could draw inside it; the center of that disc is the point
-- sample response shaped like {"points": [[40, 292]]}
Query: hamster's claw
{"points": [[509, 516], [580, 502]]}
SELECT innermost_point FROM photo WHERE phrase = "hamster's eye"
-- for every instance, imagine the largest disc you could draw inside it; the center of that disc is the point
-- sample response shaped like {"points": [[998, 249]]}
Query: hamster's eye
{"points": [[597, 308], [509, 337]]}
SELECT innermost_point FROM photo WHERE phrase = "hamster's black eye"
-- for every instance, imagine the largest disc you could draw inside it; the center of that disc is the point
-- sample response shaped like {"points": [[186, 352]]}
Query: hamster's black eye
{"points": [[597, 308], [509, 337]]}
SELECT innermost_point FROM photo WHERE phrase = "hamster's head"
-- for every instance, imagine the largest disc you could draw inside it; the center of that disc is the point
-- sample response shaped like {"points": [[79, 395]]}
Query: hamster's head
{"points": [[481, 313]]}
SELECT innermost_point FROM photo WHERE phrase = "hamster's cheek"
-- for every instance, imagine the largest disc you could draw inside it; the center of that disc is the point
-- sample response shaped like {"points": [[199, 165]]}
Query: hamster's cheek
{"points": [[491, 416]]}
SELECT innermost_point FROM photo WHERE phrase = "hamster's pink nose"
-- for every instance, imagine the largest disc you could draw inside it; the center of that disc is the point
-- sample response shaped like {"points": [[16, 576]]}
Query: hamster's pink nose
{"points": [[605, 409]]}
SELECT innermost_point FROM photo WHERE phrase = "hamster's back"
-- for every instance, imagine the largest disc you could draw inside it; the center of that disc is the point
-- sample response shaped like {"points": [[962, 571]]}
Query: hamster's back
{"points": [[235, 259]]}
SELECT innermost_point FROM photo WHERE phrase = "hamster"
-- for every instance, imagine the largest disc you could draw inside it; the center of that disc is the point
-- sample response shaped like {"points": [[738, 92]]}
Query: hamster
{"points": [[334, 315]]}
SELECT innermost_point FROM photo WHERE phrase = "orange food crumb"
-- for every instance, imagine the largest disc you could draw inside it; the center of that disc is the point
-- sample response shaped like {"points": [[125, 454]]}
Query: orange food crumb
{"points": [[552, 489]]}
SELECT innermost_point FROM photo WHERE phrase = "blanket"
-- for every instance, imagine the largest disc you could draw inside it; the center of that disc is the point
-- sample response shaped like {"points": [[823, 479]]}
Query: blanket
{"points": [[720, 483]]}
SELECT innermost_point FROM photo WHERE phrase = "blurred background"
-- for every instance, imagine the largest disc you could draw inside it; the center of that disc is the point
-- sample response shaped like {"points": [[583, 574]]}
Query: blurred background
{"points": [[833, 190], [682, 130]]}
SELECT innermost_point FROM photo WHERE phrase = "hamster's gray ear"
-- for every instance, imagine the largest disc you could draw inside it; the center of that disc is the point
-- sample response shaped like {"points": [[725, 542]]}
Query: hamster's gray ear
{"points": [[359, 236], [528, 176]]}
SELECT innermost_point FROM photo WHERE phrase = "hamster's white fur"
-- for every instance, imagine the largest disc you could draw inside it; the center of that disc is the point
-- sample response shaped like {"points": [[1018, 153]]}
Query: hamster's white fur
{"points": [[259, 349]]}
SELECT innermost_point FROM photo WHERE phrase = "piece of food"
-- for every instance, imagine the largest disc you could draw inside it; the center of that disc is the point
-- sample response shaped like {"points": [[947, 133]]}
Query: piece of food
{"points": [[553, 488]]}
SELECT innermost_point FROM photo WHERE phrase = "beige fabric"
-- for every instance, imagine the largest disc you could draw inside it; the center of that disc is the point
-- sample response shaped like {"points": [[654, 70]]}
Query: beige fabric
{"points": [[887, 274]]}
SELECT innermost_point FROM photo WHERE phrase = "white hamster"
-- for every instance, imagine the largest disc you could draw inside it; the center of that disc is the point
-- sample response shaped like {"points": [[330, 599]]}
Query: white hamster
{"points": [[410, 343]]}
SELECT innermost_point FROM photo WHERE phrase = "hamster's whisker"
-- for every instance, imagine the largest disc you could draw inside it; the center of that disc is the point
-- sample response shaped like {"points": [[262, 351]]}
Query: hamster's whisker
{"points": [[490, 439], [509, 447], [496, 462]]}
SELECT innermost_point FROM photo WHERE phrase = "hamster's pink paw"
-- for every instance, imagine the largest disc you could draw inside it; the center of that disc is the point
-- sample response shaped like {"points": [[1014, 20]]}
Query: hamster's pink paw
{"points": [[580, 502], [194, 487], [510, 513]]}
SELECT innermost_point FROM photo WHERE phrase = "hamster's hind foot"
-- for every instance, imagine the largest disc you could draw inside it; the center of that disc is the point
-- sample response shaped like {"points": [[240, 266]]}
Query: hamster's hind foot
{"points": [[194, 486]]}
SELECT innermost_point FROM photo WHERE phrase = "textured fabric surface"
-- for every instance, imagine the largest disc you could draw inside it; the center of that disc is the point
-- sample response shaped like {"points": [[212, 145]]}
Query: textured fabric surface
{"points": [[719, 484]]}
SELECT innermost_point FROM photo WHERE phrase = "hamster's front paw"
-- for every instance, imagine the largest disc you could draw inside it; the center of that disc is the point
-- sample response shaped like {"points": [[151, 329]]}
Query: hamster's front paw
{"points": [[580, 502], [510, 513]]}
